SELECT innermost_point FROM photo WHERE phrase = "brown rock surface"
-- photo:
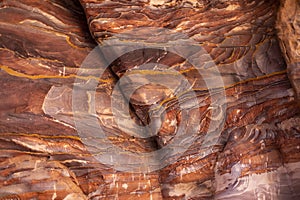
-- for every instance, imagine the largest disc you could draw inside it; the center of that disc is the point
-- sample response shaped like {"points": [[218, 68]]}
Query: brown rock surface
{"points": [[45, 95], [288, 23]]}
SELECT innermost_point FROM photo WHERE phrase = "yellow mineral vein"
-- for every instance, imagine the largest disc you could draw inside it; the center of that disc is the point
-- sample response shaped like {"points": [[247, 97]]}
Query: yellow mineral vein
{"points": [[23, 75]]}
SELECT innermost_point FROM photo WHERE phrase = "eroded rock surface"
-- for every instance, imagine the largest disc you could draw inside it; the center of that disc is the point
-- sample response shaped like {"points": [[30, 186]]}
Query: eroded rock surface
{"points": [[288, 32], [43, 45]]}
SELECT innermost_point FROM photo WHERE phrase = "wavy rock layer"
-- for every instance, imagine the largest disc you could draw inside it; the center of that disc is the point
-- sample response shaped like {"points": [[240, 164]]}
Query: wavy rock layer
{"points": [[241, 39], [239, 35], [43, 44]]}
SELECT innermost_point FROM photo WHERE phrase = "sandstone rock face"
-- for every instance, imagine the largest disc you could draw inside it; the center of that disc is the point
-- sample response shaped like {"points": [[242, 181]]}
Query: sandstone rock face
{"points": [[234, 113], [288, 26]]}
